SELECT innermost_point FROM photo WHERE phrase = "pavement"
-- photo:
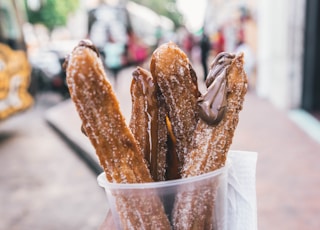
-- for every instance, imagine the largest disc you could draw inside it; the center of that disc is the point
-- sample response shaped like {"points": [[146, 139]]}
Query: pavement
{"points": [[43, 184], [287, 143]]}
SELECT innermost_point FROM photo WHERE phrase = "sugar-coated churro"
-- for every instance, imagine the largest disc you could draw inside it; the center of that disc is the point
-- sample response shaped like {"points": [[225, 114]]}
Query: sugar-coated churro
{"points": [[177, 81], [219, 113], [118, 151]]}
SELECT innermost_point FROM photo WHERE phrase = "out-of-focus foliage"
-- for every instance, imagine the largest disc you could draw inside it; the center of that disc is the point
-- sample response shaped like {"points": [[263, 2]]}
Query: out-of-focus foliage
{"points": [[51, 13], [164, 7]]}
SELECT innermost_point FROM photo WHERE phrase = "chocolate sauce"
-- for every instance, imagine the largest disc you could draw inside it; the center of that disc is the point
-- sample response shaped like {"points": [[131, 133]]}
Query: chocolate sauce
{"points": [[150, 93], [89, 44], [212, 105], [222, 60], [85, 43]]}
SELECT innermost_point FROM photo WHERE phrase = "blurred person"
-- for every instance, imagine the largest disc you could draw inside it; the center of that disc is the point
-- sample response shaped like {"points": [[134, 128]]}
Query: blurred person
{"points": [[137, 51], [205, 47], [114, 55], [187, 43], [219, 41], [158, 35]]}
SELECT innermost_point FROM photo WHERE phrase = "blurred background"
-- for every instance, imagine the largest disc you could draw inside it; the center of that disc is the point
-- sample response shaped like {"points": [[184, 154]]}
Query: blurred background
{"points": [[48, 168]]}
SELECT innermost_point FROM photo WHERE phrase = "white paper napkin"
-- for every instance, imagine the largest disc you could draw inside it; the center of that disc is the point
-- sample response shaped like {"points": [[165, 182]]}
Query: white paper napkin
{"points": [[242, 202]]}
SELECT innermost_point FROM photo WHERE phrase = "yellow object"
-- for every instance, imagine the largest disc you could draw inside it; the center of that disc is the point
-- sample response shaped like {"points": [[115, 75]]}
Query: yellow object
{"points": [[15, 73]]}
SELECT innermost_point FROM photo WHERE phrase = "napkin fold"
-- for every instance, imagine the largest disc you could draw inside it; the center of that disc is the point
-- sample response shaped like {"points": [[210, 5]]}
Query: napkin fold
{"points": [[242, 201]]}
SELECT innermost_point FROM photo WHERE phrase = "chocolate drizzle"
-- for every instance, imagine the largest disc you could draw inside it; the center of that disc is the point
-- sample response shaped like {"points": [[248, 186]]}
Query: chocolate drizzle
{"points": [[148, 90], [89, 44], [212, 105], [85, 43]]}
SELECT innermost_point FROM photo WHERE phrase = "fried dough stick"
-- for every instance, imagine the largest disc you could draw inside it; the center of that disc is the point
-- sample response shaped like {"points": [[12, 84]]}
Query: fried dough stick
{"points": [[221, 104], [173, 73], [113, 141], [148, 121]]}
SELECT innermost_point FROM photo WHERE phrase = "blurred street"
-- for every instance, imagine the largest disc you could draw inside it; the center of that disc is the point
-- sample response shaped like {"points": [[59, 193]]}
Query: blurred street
{"points": [[44, 184]]}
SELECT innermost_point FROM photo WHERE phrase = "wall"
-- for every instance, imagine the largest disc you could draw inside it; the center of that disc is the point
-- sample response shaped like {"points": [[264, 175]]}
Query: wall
{"points": [[280, 51]]}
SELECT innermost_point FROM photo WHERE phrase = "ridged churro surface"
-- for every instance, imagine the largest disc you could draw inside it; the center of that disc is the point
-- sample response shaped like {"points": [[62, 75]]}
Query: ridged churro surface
{"points": [[211, 142], [118, 151], [177, 82]]}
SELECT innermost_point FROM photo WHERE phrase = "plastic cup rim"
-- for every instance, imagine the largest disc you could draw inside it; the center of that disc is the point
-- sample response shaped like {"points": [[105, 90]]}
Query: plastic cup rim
{"points": [[102, 181]]}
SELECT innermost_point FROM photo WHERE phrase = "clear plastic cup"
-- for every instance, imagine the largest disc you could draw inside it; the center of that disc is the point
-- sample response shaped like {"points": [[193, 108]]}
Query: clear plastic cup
{"points": [[210, 189]]}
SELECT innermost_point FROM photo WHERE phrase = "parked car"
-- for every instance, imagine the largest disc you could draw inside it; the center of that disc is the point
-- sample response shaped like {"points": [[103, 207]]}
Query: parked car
{"points": [[47, 71], [47, 57]]}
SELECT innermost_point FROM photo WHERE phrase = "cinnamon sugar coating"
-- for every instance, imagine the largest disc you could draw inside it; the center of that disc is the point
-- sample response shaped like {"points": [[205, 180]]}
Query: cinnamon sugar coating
{"points": [[209, 152], [177, 82], [117, 149]]}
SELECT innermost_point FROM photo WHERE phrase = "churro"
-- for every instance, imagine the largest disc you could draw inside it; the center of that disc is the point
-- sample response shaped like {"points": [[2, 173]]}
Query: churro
{"points": [[219, 114], [212, 142], [148, 122], [117, 149], [177, 81]]}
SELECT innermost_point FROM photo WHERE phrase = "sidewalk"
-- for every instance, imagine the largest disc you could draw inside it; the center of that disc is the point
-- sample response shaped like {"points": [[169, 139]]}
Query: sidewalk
{"points": [[288, 182]]}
